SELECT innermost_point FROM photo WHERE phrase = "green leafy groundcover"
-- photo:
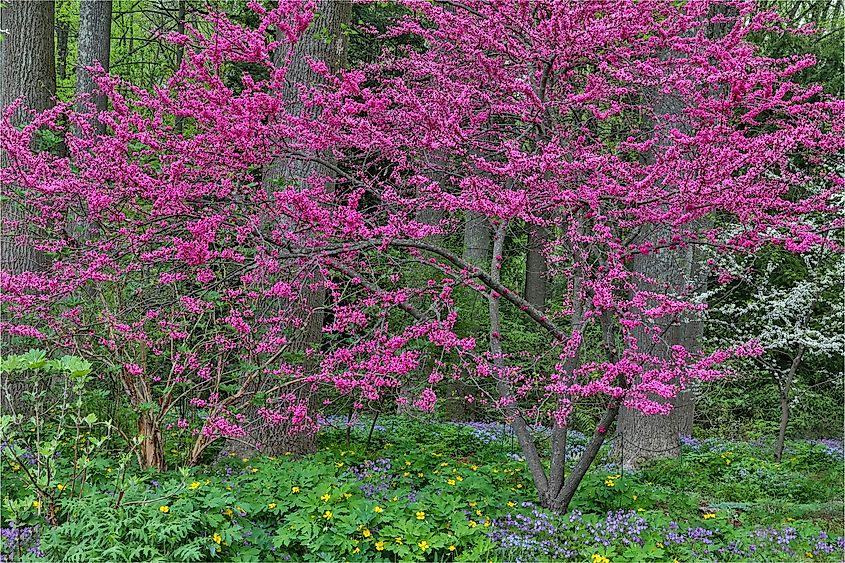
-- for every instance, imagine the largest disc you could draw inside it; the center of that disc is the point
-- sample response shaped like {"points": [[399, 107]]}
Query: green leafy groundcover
{"points": [[411, 501]]}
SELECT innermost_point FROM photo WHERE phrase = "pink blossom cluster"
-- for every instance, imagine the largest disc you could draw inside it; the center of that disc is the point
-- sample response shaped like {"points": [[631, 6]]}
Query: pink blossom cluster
{"points": [[174, 263]]}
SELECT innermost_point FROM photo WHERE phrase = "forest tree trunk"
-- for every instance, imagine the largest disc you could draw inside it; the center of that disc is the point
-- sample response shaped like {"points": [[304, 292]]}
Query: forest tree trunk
{"points": [[28, 72], [94, 47], [536, 268], [151, 453], [324, 40]]}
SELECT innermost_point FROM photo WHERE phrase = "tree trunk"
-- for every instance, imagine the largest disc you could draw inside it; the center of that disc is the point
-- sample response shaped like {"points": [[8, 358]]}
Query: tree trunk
{"points": [[180, 54], [324, 40], [94, 47], [536, 268], [27, 71], [559, 502], [785, 398], [476, 251], [642, 437], [476, 239], [151, 453], [646, 437], [62, 36]]}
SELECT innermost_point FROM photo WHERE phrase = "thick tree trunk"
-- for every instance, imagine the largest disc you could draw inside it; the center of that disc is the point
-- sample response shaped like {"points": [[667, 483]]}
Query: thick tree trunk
{"points": [[324, 40], [476, 251], [62, 36], [94, 47], [536, 268], [476, 239], [643, 437], [27, 72], [26, 54]]}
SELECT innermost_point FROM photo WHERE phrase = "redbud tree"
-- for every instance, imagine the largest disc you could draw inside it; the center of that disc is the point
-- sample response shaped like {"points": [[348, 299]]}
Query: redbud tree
{"points": [[185, 277]]}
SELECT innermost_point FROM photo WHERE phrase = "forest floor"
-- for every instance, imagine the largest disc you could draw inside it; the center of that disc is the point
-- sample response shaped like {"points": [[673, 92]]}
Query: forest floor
{"points": [[440, 492]]}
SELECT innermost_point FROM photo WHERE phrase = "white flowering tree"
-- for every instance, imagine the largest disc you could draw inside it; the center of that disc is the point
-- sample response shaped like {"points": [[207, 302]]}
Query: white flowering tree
{"points": [[791, 304]]}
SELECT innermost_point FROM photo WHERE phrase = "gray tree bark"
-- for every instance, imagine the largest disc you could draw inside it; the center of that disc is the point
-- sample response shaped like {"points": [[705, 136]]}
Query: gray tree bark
{"points": [[476, 239], [62, 36], [28, 72], [642, 437], [94, 47], [476, 251], [324, 40], [536, 268]]}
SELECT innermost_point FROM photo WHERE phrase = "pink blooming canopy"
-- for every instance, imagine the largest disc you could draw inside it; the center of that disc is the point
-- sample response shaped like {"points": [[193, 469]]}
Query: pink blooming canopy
{"points": [[174, 265]]}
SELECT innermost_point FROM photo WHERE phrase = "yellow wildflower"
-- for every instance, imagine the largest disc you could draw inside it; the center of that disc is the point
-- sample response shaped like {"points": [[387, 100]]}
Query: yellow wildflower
{"points": [[35, 504], [325, 497], [472, 524], [294, 489], [195, 485], [407, 463], [398, 540], [599, 558], [327, 514], [511, 504], [164, 509], [709, 516], [452, 548], [474, 467], [228, 512], [406, 474], [420, 515], [366, 533], [659, 544], [635, 497], [380, 545], [378, 510], [216, 538], [451, 482], [478, 512], [271, 506], [60, 487], [339, 464], [423, 545], [356, 550]]}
